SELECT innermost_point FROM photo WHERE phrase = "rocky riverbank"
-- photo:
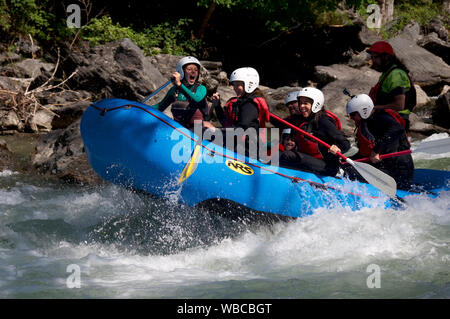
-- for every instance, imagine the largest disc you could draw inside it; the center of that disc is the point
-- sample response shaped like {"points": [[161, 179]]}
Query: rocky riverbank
{"points": [[43, 96]]}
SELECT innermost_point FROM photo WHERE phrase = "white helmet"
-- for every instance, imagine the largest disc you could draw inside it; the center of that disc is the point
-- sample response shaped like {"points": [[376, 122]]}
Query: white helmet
{"points": [[314, 94], [361, 103], [249, 76], [291, 97], [184, 61]]}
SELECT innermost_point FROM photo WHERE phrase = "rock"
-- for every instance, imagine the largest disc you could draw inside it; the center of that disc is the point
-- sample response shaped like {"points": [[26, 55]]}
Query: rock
{"points": [[437, 26], [13, 84], [411, 32], [116, 69], [445, 90], [425, 68], [223, 78], [27, 48], [417, 125], [275, 98], [61, 153], [6, 157], [28, 68], [368, 37], [441, 113], [437, 46], [66, 115], [422, 97], [9, 57], [356, 81], [359, 60], [10, 122], [62, 98], [41, 121]]}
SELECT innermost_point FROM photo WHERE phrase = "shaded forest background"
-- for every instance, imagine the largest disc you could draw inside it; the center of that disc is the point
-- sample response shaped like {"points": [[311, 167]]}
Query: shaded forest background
{"points": [[283, 39]]}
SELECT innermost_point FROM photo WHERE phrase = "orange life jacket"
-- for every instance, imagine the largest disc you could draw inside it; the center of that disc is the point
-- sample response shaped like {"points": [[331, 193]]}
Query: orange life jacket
{"points": [[310, 147]]}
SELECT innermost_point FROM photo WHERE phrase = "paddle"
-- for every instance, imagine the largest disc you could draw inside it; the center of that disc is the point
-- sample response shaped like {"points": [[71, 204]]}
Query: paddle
{"points": [[432, 147], [372, 175], [156, 92], [191, 165]]}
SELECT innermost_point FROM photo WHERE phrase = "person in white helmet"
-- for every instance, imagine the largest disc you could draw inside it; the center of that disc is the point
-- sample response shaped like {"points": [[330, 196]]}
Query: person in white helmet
{"points": [[312, 156], [248, 109], [187, 96], [288, 140], [291, 103], [381, 132]]}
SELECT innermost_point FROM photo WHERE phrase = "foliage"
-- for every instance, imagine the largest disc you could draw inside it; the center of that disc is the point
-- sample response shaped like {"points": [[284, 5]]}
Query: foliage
{"points": [[422, 11], [280, 15], [170, 38], [22, 17]]}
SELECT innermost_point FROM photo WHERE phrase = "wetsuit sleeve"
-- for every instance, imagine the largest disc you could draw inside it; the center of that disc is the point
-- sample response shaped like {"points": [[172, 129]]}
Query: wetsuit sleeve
{"points": [[331, 135], [166, 101], [219, 112], [199, 94], [392, 132]]}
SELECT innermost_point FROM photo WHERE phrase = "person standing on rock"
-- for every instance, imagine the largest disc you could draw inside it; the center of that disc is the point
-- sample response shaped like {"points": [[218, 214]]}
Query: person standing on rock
{"points": [[381, 132], [394, 89], [187, 96], [323, 124]]}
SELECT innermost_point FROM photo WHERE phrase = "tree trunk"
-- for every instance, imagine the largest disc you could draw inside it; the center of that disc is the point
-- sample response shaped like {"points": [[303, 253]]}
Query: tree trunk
{"points": [[446, 6], [387, 11], [206, 18]]}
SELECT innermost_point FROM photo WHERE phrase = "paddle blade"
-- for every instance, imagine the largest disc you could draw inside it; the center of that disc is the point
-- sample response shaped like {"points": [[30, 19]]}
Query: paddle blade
{"points": [[191, 165], [434, 147], [375, 177]]}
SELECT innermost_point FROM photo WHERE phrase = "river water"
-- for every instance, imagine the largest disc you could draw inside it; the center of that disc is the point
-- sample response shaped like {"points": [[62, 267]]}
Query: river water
{"points": [[62, 241]]}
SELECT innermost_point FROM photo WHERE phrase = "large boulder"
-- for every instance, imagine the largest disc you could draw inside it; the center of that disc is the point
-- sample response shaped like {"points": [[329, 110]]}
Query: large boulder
{"points": [[441, 114], [436, 45], [337, 77], [425, 68], [61, 153], [28, 68], [116, 69], [6, 157]]}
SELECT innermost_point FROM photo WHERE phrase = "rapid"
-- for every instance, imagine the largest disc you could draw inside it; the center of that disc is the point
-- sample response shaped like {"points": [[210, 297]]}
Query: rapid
{"points": [[66, 241]]}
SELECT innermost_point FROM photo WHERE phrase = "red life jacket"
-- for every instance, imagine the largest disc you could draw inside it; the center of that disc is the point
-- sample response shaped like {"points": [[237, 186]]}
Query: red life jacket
{"points": [[410, 96], [365, 145], [310, 147], [263, 114], [374, 90]]}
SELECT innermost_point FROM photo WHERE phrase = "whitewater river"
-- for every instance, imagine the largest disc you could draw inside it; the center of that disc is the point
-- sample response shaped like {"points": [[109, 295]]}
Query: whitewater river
{"points": [[60, 241]]}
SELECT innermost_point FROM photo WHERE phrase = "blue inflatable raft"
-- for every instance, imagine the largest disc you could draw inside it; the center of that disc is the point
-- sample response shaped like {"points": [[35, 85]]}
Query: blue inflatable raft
{"points": [[132, 145]]}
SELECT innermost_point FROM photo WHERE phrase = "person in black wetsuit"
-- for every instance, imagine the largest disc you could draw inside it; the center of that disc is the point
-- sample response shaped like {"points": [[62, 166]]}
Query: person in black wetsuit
{"points": [[312, 156], [381, 132], [247, 111]]}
